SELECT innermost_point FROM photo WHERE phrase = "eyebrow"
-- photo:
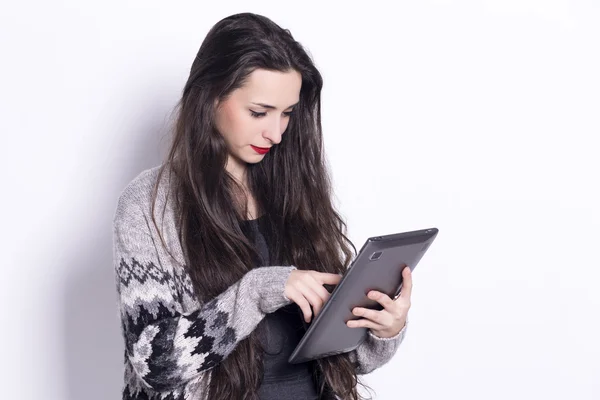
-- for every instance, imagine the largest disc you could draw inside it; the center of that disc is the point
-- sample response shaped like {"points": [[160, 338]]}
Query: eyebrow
{"points": [[272, 107]]}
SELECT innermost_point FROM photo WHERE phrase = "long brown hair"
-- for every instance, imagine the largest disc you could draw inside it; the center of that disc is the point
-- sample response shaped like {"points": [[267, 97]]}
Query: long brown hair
{"points": [[291, 184]]}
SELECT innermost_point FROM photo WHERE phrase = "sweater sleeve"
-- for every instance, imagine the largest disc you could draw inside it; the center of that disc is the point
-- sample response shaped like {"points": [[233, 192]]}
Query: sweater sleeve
{"points": [[374, 351], [165, 346]]}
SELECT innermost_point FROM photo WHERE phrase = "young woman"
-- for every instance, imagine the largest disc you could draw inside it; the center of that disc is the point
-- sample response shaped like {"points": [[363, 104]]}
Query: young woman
{"points": [[222, 250]]}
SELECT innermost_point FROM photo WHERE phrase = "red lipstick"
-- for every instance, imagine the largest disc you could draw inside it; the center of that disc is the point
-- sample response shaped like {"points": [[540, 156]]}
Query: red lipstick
{"points": [[261, 150]]}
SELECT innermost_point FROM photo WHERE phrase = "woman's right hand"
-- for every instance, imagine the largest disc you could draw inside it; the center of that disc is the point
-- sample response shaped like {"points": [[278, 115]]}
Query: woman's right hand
{"points": [[306, 289]]}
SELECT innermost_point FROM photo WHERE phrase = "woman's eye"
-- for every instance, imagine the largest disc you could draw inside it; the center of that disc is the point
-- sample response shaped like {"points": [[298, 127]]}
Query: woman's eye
{"points": [[262, 114], [257, 114]]}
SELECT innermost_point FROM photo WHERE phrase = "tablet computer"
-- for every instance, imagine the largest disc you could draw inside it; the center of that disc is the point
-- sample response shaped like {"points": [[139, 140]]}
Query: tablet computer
{"points": [[378, 266]]}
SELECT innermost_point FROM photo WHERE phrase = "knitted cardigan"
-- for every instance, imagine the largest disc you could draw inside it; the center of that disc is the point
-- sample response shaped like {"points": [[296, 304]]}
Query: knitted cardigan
{"points": [[171, 340]]}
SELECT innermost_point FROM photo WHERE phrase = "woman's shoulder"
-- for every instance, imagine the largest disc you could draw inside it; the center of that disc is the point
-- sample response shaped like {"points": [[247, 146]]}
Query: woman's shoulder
{"points": [[141, 186], [134, 212], [138, 192]]}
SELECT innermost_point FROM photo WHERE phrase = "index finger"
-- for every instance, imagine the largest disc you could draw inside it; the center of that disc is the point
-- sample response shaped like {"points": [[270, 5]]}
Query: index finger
{"points": [[407, 283], [330, 279]]}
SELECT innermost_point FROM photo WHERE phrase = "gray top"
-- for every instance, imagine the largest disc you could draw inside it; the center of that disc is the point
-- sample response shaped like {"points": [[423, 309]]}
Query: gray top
{"points": [[280, 332], [171, 339]]}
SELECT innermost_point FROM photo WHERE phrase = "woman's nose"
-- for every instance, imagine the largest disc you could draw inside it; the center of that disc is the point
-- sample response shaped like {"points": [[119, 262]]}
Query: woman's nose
{"points": [[273, 132]]}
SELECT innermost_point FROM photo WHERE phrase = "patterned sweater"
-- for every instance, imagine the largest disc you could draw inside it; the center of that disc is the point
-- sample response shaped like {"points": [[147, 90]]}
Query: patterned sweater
{"points": [[171, 340]]}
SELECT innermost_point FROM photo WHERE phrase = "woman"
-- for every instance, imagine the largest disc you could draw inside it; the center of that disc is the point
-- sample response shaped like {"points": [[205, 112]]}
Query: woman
{"points": [[222, 252]]}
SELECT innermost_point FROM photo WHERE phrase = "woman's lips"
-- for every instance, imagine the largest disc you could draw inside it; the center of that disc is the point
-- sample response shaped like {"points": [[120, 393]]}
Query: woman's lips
{"points": [[260, 150]]}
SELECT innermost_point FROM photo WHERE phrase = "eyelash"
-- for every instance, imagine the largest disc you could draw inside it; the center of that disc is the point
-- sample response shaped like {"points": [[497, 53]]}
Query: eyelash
{"points": [[258, 115]]}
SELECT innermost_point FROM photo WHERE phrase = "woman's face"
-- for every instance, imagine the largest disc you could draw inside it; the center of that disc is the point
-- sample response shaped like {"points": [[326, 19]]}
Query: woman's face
{"points": [[257, 114]]}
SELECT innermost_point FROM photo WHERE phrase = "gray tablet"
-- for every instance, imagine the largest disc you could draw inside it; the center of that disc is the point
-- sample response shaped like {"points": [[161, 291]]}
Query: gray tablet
{"points": [[378, 266]]}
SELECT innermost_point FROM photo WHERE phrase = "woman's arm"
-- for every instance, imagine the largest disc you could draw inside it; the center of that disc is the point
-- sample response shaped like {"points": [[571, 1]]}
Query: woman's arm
{"points": [[165, 346], [374, 351], [386, 327]]}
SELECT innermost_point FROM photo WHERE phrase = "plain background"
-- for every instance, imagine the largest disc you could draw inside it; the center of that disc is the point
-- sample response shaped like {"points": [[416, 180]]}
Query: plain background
{"points": [[480, 118]]}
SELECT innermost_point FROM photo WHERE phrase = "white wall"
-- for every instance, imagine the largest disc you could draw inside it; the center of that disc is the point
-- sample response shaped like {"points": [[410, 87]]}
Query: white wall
{"points": [[476, 117]]}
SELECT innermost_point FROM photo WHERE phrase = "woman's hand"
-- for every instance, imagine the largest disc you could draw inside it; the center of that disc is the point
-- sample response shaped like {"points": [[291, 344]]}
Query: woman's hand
{"points": [[389, 321], [305, 288]]}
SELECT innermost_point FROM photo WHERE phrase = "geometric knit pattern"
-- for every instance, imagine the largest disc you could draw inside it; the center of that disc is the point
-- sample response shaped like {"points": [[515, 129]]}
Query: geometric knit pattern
{"points": [[171, 340]]}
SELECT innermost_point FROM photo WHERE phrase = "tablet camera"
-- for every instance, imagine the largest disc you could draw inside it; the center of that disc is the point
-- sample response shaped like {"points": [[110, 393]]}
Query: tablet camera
{"points": [[376, 255]]}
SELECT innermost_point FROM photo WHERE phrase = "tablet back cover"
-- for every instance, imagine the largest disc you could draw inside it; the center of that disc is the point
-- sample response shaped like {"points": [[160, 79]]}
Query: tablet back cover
{"points": [[378, 266]]}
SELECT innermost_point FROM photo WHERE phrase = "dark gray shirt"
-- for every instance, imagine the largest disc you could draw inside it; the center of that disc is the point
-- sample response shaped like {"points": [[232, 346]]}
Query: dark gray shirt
{"points": [[280, 332]]}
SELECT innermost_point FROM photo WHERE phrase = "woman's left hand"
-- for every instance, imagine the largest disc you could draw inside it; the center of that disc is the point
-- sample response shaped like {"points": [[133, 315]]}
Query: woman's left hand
{"points": [[389, 321]]}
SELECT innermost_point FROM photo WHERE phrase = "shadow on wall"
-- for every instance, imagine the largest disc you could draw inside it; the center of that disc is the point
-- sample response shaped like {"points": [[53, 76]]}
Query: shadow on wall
{"points": [[94, 344]]}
